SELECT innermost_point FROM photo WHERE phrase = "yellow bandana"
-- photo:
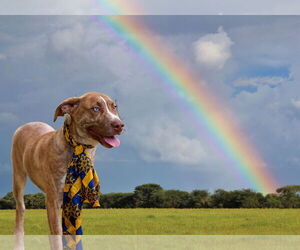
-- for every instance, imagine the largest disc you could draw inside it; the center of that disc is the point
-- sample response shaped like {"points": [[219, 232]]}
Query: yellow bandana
{"points": [[81, 186]]}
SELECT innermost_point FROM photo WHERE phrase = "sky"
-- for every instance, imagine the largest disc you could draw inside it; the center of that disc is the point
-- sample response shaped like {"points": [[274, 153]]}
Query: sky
{"points": [[250, 64], [153, 7]]}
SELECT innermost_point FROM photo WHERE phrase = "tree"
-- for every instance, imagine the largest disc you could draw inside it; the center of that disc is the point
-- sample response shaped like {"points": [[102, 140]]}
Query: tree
{"points": [[199, 199], [8, 201], [290, 196], [153, 196], [34, 201], [245, 198], [117, 200], [273, 201], [219, 199], [253, 200], [175, 199], [289, 189], [146, 196]]}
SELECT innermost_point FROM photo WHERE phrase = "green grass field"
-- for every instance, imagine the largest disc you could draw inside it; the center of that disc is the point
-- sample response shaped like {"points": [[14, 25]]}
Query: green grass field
{"points": [[168, 222]]}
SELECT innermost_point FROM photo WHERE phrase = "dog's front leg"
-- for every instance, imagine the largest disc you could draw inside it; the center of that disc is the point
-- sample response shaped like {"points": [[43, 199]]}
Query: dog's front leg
{"points": [[53, 212]]}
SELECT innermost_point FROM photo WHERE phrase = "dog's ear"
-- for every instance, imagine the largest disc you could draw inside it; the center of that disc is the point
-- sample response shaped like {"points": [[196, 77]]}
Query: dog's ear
{"points": [[66, 107]]}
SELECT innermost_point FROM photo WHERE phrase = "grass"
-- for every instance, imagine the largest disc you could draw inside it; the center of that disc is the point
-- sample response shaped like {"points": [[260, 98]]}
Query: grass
{"points": [[168, 222]]}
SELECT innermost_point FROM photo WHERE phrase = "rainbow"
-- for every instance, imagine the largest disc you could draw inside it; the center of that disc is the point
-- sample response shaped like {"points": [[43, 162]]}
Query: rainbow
{"points": [[211, 116]]}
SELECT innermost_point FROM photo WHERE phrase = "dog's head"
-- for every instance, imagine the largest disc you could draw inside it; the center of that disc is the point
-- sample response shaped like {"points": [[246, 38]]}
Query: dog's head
{"points": [[95, 116]]}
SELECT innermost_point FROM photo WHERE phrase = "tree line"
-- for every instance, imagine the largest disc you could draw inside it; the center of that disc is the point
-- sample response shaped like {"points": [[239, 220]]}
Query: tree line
{"points": [[154, 196]]}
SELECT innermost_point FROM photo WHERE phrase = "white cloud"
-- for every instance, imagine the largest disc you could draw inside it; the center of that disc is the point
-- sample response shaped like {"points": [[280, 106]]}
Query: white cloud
{"points": [[213, 50], [163, 140], [259, 81], [69, 38]]}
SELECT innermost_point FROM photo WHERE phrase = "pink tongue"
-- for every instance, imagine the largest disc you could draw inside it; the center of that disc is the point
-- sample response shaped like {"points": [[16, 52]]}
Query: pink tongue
{"points": [[112, 141]]}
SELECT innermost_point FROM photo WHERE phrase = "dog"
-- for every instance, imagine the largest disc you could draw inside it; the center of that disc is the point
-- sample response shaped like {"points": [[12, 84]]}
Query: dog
{"points": [[42, 153]]}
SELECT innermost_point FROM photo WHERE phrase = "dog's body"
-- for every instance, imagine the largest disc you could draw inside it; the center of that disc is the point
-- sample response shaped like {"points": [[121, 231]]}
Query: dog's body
{"points": [[42, 153]]}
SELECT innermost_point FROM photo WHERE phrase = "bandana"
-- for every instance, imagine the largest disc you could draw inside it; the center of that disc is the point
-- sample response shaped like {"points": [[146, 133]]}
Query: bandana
{"points": [[81, 186]]}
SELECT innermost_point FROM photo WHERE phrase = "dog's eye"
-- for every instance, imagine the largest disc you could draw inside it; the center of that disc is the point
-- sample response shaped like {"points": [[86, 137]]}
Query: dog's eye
{"points": [[96, 109]]}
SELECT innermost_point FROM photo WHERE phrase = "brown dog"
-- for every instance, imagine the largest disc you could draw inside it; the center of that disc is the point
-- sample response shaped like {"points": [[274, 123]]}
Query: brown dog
{"points": [[42, 153]]}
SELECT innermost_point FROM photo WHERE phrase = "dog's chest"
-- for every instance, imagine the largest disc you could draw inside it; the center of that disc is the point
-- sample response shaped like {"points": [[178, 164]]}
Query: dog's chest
{"points": [[62, 166]]}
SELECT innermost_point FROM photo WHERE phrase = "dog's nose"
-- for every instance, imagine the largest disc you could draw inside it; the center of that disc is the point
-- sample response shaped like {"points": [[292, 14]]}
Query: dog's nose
{"points": [[117, 125]]}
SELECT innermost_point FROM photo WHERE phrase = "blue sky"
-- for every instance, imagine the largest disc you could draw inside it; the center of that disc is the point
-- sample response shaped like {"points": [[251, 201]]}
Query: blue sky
{"points": [[249, 62]]}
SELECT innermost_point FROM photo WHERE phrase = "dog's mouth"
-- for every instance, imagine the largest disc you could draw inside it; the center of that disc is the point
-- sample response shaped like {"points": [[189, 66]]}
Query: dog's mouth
{"points": [[106, 141]]}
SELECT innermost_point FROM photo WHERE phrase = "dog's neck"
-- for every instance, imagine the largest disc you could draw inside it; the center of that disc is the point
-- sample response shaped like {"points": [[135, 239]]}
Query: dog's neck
{"points": [[62, 145], [79, 136]]}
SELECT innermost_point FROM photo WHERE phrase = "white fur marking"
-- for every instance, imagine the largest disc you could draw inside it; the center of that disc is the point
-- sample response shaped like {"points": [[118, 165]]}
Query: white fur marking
{"points": [[113, 116], [62, 180]]}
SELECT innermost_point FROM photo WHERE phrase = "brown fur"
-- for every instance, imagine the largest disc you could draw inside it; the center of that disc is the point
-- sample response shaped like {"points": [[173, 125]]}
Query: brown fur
{"points": [[40, 152]]}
